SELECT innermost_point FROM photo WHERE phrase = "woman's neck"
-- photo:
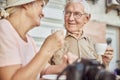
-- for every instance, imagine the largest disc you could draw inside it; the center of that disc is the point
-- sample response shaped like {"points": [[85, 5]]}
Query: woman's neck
{"points": [[17, 23]]}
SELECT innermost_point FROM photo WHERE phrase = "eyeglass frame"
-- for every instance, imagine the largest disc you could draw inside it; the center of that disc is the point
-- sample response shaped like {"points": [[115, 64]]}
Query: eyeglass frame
{"points": [[76, 15]]}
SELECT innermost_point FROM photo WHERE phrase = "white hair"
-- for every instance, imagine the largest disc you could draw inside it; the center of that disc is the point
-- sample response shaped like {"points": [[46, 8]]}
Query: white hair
{"points": [[83, 2]]}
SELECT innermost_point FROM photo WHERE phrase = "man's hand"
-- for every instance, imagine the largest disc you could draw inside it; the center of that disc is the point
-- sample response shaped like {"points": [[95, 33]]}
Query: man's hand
{"points": [[107, 57]]}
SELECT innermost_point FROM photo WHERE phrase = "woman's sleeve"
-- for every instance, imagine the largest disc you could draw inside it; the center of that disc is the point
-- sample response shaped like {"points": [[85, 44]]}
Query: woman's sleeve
{"points": [[9, 50]]}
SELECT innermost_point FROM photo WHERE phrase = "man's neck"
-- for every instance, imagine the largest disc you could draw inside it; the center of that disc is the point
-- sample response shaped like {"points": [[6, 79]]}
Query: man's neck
{"points": [[77, 34]]}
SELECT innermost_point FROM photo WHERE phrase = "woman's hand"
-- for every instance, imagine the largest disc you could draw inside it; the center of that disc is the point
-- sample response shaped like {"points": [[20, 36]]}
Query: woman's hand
{"points": [[70, 58], [54, 41]]}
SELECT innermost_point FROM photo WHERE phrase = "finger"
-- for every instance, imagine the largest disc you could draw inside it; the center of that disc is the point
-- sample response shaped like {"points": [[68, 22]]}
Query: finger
{"points": [[71, 57], [108, 57], [106, 60], [65, 59], [68, 58], [109, 49], [60, 32], [108, 53]]}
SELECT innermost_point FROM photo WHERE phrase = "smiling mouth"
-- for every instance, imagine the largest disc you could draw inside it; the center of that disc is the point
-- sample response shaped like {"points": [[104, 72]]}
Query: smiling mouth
{"points": [[71, 24]]}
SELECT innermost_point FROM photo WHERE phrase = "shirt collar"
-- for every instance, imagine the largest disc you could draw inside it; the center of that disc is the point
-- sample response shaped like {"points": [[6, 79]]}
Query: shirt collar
{"points": [[82, 36]]}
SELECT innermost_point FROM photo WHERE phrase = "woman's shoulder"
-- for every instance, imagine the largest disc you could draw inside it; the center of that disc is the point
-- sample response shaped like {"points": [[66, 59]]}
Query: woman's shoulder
{"points": [[4, 24], [7, 32], [2, 21]]}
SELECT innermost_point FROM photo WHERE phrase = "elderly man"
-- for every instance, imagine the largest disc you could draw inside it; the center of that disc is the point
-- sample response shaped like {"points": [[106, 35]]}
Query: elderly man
{"points": [[76, 15]]}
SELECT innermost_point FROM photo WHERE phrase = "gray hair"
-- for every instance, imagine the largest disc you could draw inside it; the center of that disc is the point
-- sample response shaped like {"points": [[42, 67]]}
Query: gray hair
{"points": [[83, 2]]}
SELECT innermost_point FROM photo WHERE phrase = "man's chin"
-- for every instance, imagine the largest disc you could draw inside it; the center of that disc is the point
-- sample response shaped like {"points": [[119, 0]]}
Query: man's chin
{"points": [[74, 31], [72, 26]]}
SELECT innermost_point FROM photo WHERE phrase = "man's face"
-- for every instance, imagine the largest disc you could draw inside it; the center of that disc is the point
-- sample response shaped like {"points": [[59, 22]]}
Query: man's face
{"points": [[75, 17]]}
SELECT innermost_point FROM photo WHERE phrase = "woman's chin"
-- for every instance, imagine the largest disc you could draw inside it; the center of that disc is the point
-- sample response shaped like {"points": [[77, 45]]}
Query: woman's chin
{"points": [[37, 23]]}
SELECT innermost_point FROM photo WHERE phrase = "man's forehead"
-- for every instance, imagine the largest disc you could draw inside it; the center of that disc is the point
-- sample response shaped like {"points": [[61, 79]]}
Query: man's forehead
{"points": [[75, 0], [75, 7]]}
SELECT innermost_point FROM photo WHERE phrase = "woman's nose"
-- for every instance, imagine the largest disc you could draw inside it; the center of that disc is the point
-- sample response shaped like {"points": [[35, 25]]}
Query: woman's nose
{"points": [[42, 15]]}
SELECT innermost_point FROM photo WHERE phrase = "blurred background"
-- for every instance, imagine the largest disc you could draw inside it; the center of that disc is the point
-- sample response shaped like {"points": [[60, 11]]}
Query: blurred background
{"points": [[104, 23]]}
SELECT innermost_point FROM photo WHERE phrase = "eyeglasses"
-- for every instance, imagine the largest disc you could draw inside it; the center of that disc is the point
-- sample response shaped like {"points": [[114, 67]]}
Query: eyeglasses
{"points": [[76, 15]]}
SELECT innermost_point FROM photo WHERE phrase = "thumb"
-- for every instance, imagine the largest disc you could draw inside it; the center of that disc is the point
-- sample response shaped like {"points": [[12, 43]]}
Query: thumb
{"points": [[65, 59]]}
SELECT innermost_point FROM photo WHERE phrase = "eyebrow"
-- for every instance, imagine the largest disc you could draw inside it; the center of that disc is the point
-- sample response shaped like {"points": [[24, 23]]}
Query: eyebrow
{"points": [[74, 11]]}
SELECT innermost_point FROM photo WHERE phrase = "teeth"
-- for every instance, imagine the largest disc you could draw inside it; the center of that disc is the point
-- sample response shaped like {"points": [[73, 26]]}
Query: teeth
{"points": [[72, 24]]}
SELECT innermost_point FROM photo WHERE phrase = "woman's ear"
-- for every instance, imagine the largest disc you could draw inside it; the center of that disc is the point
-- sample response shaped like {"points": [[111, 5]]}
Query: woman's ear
{"points": [[26, 6]]}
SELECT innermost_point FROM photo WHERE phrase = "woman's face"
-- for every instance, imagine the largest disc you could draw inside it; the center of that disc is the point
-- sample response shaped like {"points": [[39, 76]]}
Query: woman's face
{"points": [[34, 12]]}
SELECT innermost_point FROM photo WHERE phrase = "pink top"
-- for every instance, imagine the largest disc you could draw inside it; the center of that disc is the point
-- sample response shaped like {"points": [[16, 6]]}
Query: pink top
{"points": [[14, 50]]}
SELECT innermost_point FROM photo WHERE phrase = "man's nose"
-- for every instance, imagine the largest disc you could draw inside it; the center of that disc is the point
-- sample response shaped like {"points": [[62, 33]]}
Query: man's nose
{"points": [[71, 16]]}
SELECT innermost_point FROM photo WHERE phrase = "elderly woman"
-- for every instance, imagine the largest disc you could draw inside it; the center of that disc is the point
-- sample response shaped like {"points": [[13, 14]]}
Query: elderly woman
{"points": [[19, 59]]}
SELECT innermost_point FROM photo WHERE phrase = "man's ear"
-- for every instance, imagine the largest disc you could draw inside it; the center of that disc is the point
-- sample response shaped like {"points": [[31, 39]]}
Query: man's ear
{"points": [[88, 16]]}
